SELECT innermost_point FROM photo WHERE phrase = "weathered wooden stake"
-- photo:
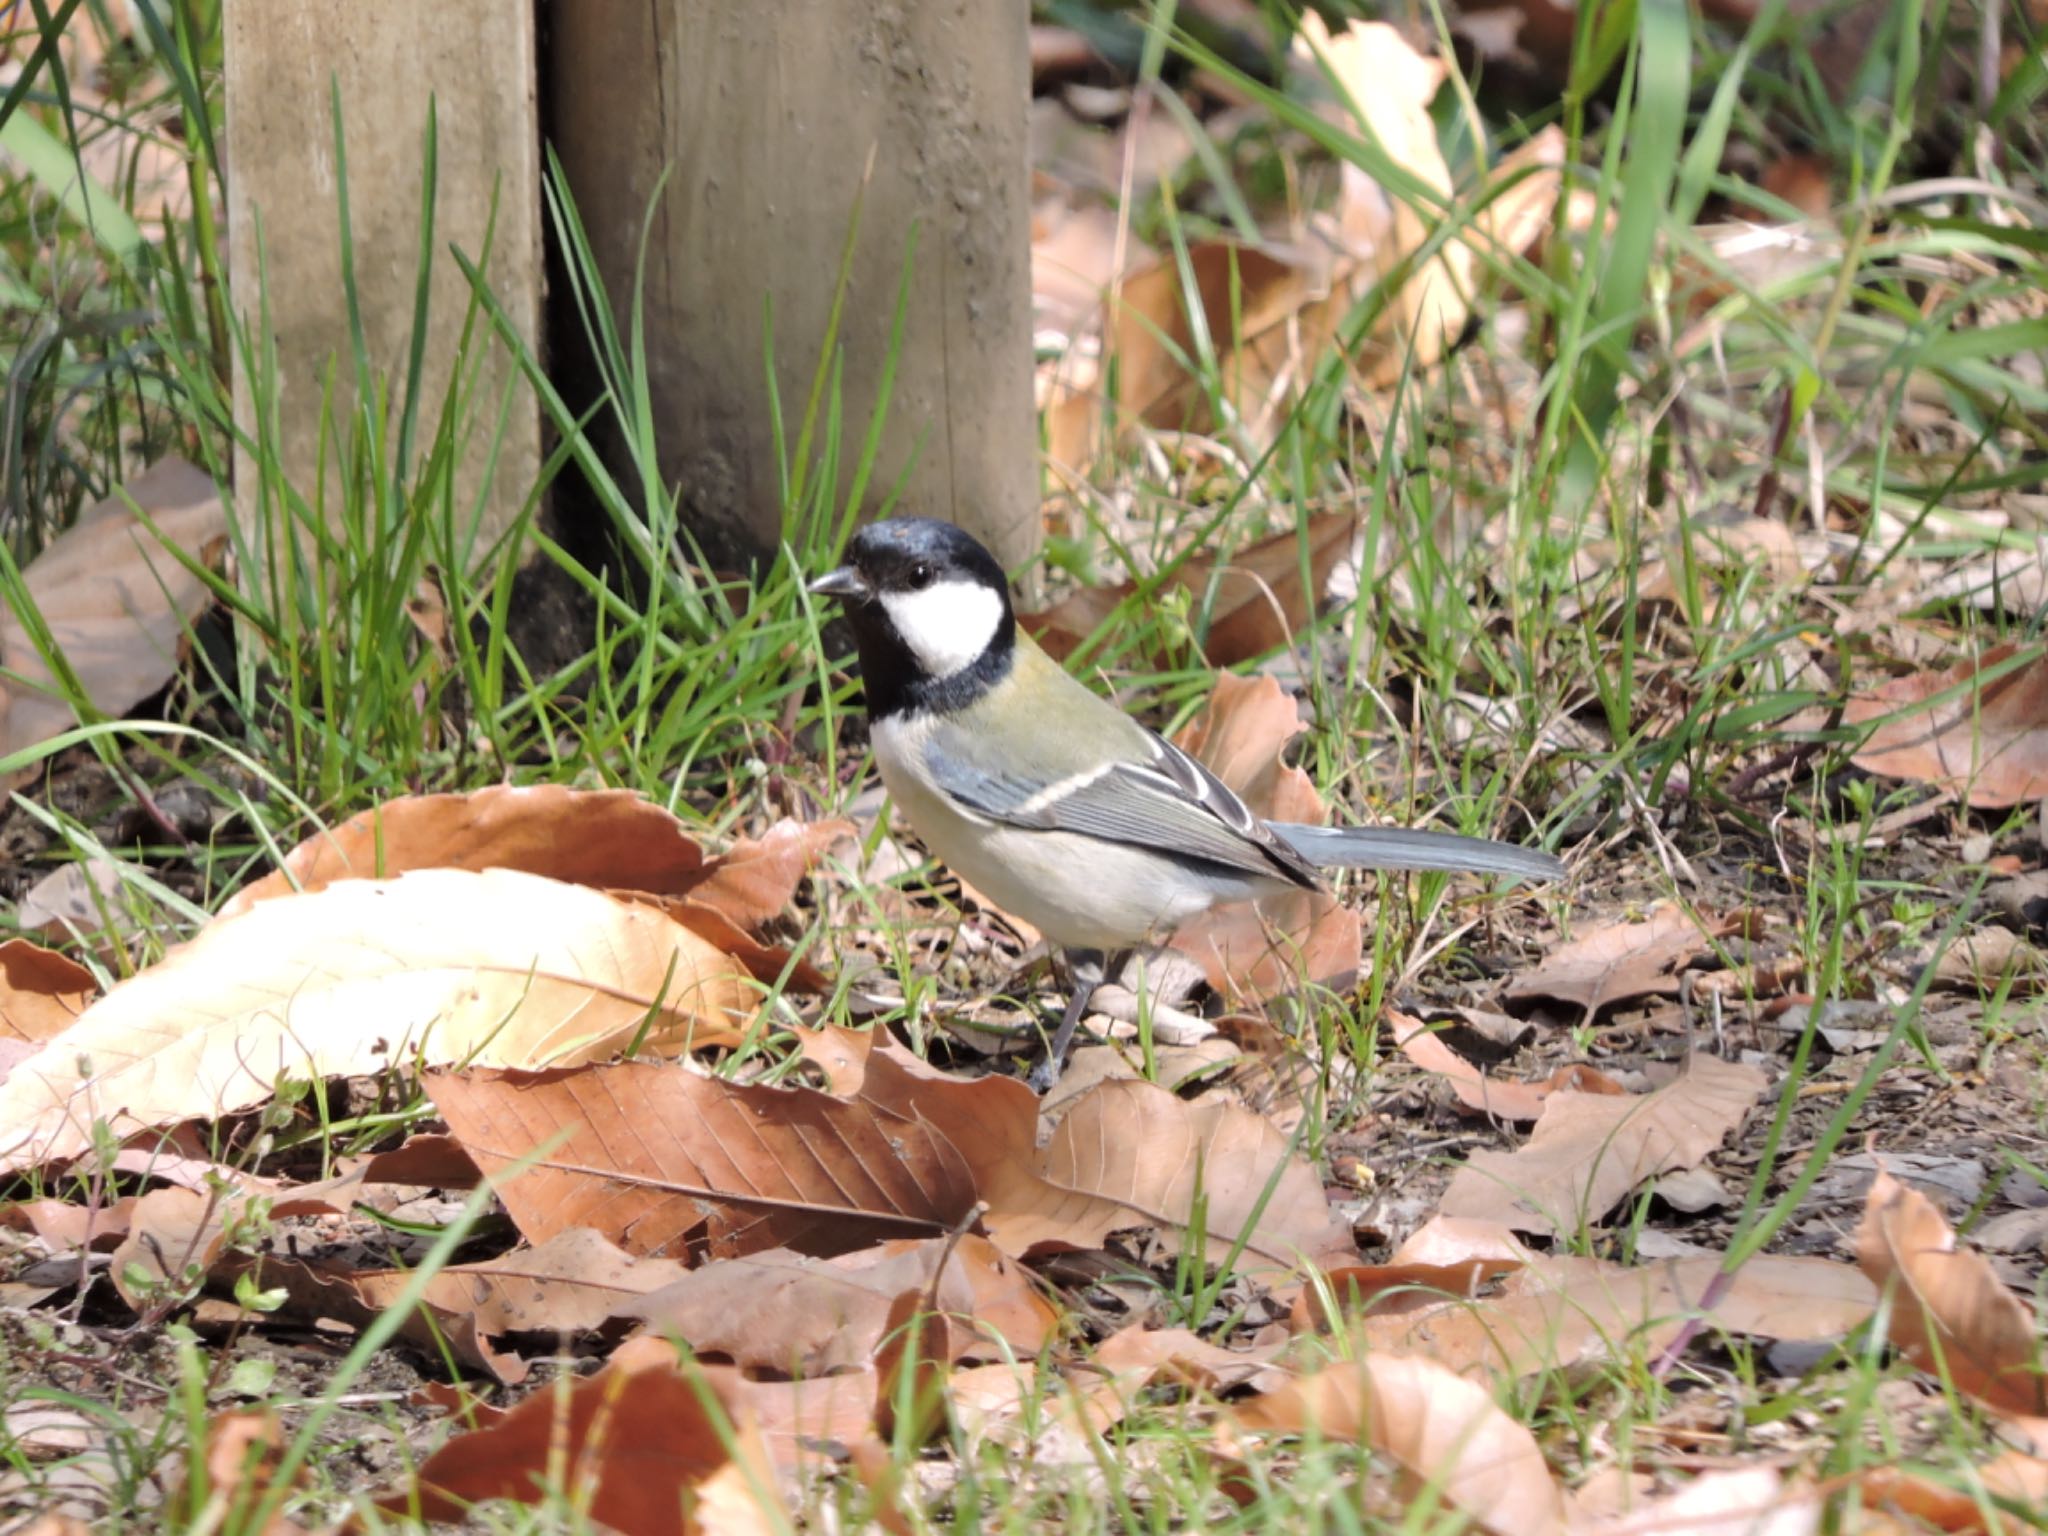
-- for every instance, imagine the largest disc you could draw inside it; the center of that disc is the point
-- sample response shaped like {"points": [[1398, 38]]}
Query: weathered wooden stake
{"points": [[763, 117], [475, 60]]}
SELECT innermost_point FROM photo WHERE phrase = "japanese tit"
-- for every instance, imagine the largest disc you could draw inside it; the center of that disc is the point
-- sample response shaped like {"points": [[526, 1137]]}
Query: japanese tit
{"points": [[1051, 801]]}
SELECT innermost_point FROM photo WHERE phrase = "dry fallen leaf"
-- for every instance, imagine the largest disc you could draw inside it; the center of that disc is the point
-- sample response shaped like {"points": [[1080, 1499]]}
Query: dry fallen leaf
{"points": [[1268, 317], [2013, 1477], [494, 969], [1503, 1098], [1619, 962], [661, 1160], [41, 991], [1554, 1313], [754, 881], [117, 602], [1390, 86], [1589, 1149], [1260, 600], [1989, 744], [571, 1284], [1152, 1156], [664, 1161], [602, 838], [1743, 1501], [243, 1450], [647, 1445], [1259, 950], [1950, 1314], [1132, 1360], [1454, 1445], [785, 1312]]}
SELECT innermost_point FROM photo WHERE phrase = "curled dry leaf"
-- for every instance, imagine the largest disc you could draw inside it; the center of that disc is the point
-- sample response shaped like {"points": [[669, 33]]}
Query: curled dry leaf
{"points": [[785, 1312], [243, 1452], [117, 601], [1987, 743], [1390, 87], [1558, 1312], [755, 880], [1260, 601], [1502, 1098], [1454, 1445], [1590, 1149], [1445, 1256], [1950, 1314], [637, 1445], [572, 1284], [1130, 1362], [441, 965], [1259, 950], [1142, 1157], [1746, 1501], [1268, 316], [41, 991], [177, 1235], [2013, 1477], [1619, 962], [601, 838]]}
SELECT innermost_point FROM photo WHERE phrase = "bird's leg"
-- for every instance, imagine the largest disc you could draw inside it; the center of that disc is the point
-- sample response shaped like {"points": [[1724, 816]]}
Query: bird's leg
{"points": [[1085, 970]]}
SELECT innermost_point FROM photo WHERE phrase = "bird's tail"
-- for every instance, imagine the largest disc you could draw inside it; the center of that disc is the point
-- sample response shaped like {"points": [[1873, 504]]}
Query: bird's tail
{"points": [[1404, 848]]}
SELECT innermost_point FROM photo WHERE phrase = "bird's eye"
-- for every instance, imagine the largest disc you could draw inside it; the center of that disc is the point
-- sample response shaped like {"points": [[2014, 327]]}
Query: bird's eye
{"points": [[920, 576]]}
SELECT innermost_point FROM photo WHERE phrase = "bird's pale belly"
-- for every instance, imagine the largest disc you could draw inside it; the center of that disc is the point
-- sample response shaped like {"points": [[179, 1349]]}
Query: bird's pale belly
{"points": [[1080, 892]]}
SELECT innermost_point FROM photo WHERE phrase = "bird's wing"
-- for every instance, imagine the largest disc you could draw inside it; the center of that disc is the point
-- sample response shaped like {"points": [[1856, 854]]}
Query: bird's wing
{"points": [[1166, 802]]}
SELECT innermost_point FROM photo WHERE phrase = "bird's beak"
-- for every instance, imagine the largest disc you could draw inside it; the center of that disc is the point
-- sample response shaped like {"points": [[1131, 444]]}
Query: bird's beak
{"points": [[844, 582]]}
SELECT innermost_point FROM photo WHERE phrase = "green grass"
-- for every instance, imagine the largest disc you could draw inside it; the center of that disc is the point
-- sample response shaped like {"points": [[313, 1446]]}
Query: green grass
{"points": [[1500, 673]]}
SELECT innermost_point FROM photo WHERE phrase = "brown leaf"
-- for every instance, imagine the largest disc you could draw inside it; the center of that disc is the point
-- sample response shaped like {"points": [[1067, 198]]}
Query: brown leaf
{"points": [[41, 991], [1260, 950], [240, 1463], [785, 1312], [1503, 1098], [178, 1234], [1990, 744], [663, 1161], [1950, 1314], [117, 602], [601, 838], [768, 964], [1240, 736], [839, 1053], [756, 880], [1589, 1150], [66, 1228], [2013, 1477], [571, 1284], [439, 965], [1260, 600], [1554, 1313], [1390, 86], [645, 1446], [1454, 1445], [1742, 1501], [1621, 961], [1132, 1360], [1445, 1256], [1268, 318], [1136, 1155]]}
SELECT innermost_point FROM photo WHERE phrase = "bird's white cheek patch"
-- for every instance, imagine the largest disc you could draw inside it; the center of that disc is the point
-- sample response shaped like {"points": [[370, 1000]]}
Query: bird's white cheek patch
{"points": [[946, 626]]}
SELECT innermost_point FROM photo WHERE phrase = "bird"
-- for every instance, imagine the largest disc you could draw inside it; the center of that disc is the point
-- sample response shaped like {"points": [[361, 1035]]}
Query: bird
{"points": [[1050, 800]]}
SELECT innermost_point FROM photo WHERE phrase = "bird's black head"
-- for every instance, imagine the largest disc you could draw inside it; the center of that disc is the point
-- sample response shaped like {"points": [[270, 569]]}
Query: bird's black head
{"points": [[930, 611]]}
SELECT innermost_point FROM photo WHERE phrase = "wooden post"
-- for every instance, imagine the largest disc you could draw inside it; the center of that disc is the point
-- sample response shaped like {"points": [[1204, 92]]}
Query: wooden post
{"points": [[475, 60], [764, 117]]}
